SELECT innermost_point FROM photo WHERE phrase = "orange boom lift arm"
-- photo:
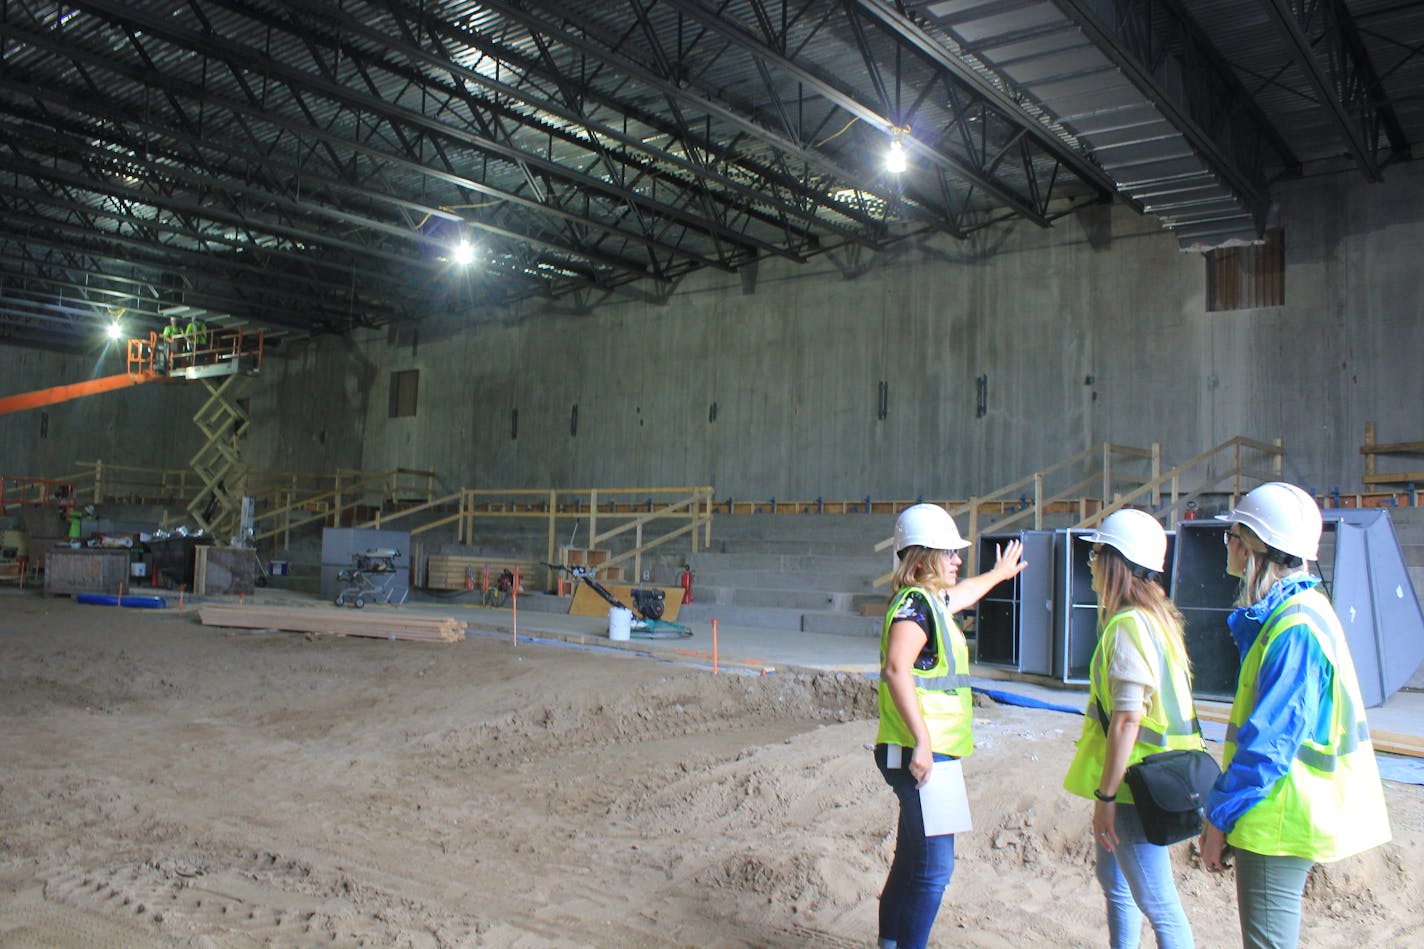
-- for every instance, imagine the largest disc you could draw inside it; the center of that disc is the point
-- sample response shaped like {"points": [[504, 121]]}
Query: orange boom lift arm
{"points": [[140, 371]]}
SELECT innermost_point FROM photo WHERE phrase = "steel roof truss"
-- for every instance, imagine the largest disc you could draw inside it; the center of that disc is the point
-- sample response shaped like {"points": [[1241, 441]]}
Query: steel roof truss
{"points": [[1346, 83]]}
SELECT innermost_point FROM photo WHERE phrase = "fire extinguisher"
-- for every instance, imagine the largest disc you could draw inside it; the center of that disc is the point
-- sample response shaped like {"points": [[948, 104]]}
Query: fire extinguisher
{"points": [[685, 580]]}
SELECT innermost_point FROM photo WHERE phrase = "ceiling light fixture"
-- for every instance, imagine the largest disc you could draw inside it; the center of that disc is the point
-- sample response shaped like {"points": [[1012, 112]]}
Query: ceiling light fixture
{"points": [[115, 330], [464, 253], [895, 158]]}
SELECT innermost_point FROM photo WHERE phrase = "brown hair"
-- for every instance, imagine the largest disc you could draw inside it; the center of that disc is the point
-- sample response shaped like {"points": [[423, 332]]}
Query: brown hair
{"points": [[1121, 589], [920, 567]]}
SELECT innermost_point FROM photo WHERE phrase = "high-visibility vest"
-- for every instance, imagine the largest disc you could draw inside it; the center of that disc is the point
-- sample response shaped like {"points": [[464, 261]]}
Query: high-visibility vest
{"points": [[1329, 804], [1169, 722], [946, 701]]}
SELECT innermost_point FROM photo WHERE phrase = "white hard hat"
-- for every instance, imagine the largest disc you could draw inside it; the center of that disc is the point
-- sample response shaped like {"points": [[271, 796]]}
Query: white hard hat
{"points": [[1283, 516], [927, 525], [1136, 535]]}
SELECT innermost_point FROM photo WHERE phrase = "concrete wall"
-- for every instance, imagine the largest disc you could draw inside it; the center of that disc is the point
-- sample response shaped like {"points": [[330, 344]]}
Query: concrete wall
{"points": [[794, 366], [148, 425]]}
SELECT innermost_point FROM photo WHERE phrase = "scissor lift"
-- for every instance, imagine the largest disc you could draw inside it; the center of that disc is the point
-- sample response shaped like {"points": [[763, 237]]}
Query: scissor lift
{"points": [[223, 360]]}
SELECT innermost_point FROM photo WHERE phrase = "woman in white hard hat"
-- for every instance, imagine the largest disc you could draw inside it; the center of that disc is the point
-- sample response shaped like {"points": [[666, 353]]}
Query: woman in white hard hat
{"points": [[1139, 703], [926, 708], [1300, 784]]}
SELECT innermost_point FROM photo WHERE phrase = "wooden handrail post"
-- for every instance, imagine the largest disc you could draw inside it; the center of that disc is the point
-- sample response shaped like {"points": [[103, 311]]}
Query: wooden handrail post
{"points": [[1235, 471], [638, 553], [1038, 500], [336, 509], [707, 532], [1369, 454], [1107, 472], [974, 533], [1280, 456], [1156, 473], [553, 529], [592, 518], [98, 481]]}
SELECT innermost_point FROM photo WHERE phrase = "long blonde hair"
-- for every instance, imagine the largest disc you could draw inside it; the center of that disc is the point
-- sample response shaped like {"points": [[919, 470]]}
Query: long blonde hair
{"points": [[921, 567], [1261, 571], [1121, 589]]}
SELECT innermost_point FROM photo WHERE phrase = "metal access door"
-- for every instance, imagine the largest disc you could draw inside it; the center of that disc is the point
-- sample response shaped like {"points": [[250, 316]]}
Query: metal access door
{"points": [[1035, 606]]}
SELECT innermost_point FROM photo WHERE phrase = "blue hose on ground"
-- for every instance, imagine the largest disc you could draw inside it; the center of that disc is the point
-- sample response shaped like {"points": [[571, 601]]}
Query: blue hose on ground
{"points": [[1009, 698], [109, 599]]}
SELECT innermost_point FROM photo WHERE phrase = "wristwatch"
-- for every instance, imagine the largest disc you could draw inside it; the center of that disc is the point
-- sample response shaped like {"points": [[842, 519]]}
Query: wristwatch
{"points": [[1105, 798]]}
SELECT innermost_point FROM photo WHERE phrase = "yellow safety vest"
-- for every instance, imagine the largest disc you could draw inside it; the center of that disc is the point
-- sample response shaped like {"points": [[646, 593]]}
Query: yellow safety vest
{"points": [[1169, 722], [1330, 803], [942, 690]]}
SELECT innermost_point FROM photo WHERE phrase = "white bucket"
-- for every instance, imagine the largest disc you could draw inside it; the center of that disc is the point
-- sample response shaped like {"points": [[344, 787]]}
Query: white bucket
{"points": [[620, 623]]}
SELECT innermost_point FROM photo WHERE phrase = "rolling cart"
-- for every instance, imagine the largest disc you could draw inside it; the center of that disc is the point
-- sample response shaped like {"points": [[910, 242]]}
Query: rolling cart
{"points": [[371, 577]]}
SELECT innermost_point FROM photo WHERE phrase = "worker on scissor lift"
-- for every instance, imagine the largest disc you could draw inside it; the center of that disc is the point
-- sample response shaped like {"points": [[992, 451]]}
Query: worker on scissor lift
{"points": [[196, 332], [169, 346]]}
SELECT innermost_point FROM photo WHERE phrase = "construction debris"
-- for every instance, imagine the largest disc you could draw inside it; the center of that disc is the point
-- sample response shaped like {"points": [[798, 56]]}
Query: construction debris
{"points": [[332, 621]]}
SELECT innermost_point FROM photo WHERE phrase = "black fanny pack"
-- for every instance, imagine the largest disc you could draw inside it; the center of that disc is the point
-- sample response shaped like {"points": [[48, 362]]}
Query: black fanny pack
{"points": [[1169, 790]]}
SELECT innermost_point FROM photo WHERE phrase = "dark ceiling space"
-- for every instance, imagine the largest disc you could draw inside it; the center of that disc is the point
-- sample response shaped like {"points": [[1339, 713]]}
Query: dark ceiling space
{"points": [[308, 168]]}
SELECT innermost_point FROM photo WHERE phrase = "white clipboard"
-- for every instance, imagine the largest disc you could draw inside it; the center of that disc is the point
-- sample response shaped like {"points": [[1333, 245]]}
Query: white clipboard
{"points": [[944, 801]]}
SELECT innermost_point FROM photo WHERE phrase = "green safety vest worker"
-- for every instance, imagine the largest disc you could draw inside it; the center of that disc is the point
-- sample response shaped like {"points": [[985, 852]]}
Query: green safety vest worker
{"points": [[197, 332], [1329, 804], [171, 331], [943, 690], [1169, 722]]}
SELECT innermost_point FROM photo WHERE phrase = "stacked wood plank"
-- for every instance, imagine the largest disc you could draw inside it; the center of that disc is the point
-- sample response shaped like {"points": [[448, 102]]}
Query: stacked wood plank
{"points": [[451, 572], [337, 621]]}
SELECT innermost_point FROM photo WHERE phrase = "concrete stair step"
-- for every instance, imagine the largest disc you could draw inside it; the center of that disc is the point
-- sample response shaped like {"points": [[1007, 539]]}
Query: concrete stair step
{"points": [[829, 548], [814, 621], [866, 562], [802, 598], [779, 579], [733, 615]]}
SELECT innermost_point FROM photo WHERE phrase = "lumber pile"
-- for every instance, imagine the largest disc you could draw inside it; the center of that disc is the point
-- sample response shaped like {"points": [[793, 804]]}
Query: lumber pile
{"points": [[451, 572], [1392, 743], [337, 621]]}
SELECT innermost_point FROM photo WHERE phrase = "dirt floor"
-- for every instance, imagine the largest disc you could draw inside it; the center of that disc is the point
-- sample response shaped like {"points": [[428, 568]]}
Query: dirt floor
{"points": [[164, 783]]}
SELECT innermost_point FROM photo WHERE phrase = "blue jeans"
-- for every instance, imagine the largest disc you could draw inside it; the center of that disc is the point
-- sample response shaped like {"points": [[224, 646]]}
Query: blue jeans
{"points": [[1268, 893], [921, 868], [1137, 880]]}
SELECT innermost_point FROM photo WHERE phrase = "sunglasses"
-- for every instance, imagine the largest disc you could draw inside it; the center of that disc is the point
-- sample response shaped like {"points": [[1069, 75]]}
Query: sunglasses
{"points": [[1229, 536]]}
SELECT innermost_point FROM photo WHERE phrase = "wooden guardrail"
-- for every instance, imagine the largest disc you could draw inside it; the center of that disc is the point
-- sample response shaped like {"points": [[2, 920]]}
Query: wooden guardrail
{"points": [[351, 492], [1108, 468], [1372, 449], [653, 516]]}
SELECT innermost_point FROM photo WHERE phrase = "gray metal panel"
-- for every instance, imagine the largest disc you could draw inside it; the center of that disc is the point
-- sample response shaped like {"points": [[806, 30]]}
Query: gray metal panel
{"points": [[1035, 604], [1376, 601], [340, 544], [1353, 598], [1075, 614]]}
